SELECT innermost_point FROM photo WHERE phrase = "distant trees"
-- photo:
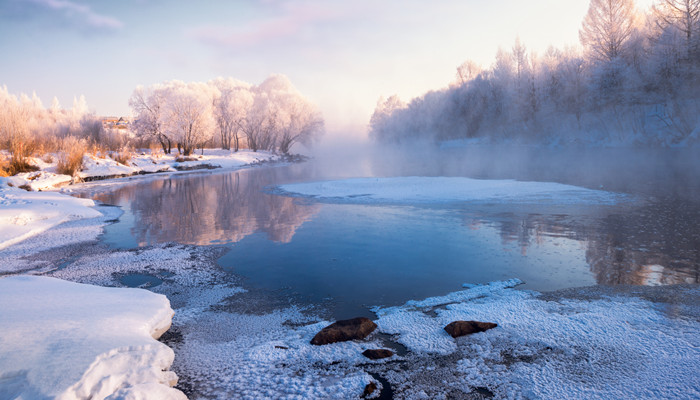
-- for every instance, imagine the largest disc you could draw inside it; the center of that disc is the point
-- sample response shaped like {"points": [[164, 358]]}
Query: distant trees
{"points": [[637, 81], [271, 116]]}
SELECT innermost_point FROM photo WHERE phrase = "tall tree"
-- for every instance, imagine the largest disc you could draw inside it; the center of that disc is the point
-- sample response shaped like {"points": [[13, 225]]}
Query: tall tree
{"points": [[607, 28], [683, 15]]}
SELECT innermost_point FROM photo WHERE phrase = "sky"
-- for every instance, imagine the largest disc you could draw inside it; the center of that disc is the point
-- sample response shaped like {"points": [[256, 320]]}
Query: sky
{"points": [[342, 55]]}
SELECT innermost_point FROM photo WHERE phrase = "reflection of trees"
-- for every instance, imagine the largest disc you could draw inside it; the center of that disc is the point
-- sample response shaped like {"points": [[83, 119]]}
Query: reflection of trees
{"points": [[657, 244], [206, 209], [654, 244]]}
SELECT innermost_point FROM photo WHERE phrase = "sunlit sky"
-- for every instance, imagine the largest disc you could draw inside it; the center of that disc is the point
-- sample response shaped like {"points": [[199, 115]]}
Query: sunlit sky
{"points": [[342, 55]]}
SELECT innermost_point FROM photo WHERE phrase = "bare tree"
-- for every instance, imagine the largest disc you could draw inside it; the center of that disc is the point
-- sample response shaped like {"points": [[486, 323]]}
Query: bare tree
{"points": [[607, 27], [303, 125]]}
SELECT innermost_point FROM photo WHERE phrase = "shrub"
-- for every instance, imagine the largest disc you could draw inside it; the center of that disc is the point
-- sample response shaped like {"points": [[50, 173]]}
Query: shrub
{"points": [[17, 166], [122, 157], [70, 159]]}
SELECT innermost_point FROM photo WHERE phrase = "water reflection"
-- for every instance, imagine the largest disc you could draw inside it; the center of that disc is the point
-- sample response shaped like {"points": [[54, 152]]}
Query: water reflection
{"points": [[207, 209], [655, 243]]}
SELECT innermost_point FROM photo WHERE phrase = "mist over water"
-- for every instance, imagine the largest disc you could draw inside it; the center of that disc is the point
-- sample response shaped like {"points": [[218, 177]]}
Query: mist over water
{"points": [[352, 256], [652, 171]]}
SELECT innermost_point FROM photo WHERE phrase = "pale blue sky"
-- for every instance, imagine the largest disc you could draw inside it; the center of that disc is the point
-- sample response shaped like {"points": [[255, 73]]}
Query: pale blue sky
{"points": [[341, 54]]}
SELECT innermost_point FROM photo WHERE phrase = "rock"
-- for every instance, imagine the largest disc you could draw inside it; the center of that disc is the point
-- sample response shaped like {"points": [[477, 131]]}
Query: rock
{"points": [[282, 347], [348, 329], [461, 328], [376, 354], [369, 389]]}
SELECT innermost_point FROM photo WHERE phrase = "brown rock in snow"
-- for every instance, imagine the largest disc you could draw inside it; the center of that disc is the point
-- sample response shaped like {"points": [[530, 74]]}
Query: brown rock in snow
{"points": [[376, 354], [348, 329], [461, 328]]}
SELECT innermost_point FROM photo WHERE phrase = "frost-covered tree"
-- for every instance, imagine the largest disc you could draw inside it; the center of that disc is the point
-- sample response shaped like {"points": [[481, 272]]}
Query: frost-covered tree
{"points": [[607, 28], [148, 107], [683, 15], [187, 116], [231, 101]]}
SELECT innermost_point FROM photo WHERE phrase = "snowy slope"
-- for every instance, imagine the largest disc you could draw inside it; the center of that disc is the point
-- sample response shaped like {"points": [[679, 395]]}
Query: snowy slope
{"points": [[449, 189], [24, 214], [66, 340]]}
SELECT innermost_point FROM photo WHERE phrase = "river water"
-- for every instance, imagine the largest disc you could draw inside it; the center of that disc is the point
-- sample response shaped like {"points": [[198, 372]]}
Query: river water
{"points": [[350, 256]]}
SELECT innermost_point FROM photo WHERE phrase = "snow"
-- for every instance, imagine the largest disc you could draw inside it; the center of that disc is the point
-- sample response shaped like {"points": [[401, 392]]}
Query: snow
{"points": [[102, 167], [612, 347], [449, 189], [96, 167], [67, 340], [39, 180], [24, 214]]}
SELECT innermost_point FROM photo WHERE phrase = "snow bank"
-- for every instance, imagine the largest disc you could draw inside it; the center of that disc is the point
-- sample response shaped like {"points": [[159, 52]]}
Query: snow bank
{"points": [[449, 189], [24, 214], [39, 180], [104, 167], [67, 340]]}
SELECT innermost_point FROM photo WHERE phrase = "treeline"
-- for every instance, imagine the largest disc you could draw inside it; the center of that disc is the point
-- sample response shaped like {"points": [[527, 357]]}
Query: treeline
{"points": [[223, 113], [636, 81], [271, 116]]}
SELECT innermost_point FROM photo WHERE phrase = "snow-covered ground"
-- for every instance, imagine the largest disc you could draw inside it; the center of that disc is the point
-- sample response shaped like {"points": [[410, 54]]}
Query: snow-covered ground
{"points": [[95, 167], [24, 214], [74, 341], [448, 189]]}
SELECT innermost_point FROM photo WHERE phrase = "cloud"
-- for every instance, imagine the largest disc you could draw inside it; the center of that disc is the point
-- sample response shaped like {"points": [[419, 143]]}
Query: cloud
{"points": [[76, 14], [289, 20]]}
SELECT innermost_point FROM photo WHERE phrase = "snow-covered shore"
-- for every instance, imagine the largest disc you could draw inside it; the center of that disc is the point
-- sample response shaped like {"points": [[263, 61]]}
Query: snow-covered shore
{"points": [[95, 168], [24, 214], [76, 341]]}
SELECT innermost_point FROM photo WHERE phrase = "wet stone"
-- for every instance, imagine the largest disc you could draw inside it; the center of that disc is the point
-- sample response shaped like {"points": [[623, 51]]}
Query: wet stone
{"points": [[369, 389], [377, 354]]}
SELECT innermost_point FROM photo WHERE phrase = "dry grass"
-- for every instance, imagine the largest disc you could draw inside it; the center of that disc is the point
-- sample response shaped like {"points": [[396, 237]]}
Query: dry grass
{"points": [[156, 150], [122, 157], [19, 166], [4, 166], [70, 158]]}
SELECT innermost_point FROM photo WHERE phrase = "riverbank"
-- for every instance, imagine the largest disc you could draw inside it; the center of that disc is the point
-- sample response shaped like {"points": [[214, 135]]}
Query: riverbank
{"points": [[233, 340], [96, 167]]}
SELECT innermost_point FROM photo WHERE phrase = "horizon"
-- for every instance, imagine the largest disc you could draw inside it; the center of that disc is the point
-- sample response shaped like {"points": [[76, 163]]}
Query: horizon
{"points": [[343, 58]]}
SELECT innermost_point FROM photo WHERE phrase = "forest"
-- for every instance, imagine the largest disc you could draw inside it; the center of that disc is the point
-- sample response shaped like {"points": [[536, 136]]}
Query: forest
{"points": [[634, 81]]}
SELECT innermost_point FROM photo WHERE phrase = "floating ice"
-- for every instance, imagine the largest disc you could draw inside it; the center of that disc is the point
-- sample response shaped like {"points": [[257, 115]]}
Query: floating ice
{"points": [[447, 190]]}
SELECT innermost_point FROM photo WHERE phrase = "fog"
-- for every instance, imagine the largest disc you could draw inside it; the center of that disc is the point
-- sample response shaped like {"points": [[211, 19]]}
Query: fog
{"points": [[650, 171]]}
